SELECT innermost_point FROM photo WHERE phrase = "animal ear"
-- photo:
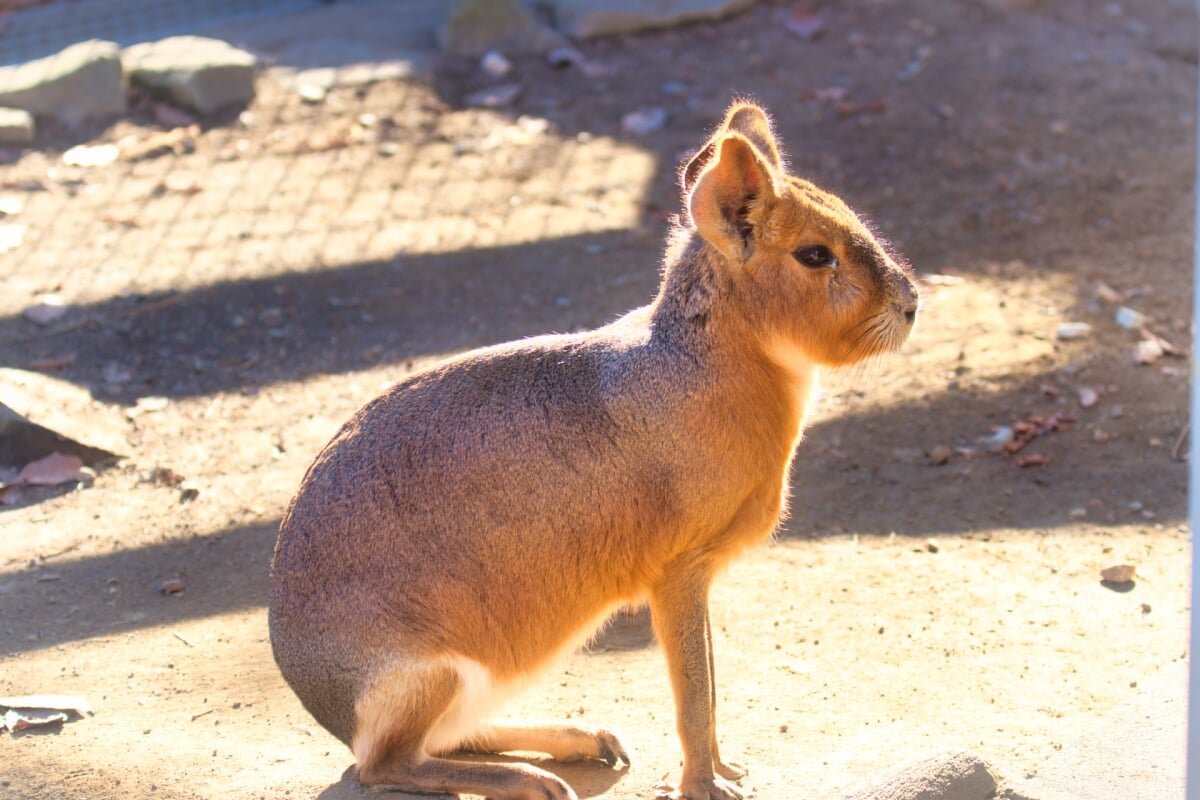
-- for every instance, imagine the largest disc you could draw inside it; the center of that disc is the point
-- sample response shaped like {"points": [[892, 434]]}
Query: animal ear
{"points": [[734, 178], [752, 122], [689, 174]]}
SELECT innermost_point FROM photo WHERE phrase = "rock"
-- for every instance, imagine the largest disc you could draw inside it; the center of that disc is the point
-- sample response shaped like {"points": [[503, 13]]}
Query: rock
{"points": [[1001, 438], [11, 237], [311, 93], [940, 455], [87, 155], [46, 309], [41, 414], [476, 26], [81, 81], [1129, 318], [1073, 330], [1121, 573], [500, 96], [495, 64], [644, 120], [1147, 351], [16, 127], [949, 776], [586, 19], [195, 72]]}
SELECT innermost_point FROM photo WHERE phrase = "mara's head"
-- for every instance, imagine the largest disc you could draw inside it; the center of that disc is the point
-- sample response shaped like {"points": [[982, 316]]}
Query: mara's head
{"points": [[811, 274]]}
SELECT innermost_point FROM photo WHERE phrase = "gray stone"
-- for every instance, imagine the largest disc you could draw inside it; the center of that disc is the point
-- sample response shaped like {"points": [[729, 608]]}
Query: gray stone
{"points": [[476, 26], [948, 776], [202, 74], [16, 127], [82, 81], [586, 19]]}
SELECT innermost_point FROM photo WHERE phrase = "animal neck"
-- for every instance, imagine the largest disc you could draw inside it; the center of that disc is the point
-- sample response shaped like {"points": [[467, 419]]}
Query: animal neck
{"points": [[698, 314]]}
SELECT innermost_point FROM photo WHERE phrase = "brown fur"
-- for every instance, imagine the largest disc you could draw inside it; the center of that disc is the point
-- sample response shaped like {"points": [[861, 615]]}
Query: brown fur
{"points": [[483, 517]]}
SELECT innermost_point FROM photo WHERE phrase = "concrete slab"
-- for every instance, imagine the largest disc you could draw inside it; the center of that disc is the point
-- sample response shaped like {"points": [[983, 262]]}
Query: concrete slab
{"points": [[1137, 753], [343, 44]]}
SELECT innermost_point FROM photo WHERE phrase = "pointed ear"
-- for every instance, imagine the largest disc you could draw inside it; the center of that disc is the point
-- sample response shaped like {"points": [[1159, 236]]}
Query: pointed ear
{"points": [[752, 122], [734, 177], [689, 174]]}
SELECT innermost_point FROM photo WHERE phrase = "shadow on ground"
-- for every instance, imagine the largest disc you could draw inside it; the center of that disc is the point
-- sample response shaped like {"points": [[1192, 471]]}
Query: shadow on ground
{"points": [[236, 334]]}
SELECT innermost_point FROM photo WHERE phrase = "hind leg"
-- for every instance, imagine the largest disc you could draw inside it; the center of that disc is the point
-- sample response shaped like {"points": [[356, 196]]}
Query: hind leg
{"points": [[560, 742], [409, 706]]}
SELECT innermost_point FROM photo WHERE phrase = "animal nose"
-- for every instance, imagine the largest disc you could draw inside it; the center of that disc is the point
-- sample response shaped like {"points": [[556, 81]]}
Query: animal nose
{"points": [[908, 302]]}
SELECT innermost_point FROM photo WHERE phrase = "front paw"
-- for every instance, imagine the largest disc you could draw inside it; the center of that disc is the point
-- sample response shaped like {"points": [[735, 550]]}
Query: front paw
{"points": [[715, 788]]}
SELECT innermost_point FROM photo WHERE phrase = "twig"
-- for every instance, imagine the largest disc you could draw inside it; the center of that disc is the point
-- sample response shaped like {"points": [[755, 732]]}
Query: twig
{"points": [[179, 636], [1177, 450], [202, 714], [58, 553]]}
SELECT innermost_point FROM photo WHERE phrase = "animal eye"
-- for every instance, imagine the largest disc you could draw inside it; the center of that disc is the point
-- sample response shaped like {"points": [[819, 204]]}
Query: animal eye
{"points": [[816, 256]]}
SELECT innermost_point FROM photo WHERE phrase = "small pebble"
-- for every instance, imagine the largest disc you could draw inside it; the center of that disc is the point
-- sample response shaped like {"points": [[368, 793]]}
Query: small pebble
{"points": [[1147, 351], [1072, 330], [1078, 512], [1000, 438], [188, 492], [1130, 319], [1121, 573], [83, 155], [171, 586], [312, 93], [644, 120], [495, 64], [1088, 396], [940, 455], [46, 309], [500, 96]]}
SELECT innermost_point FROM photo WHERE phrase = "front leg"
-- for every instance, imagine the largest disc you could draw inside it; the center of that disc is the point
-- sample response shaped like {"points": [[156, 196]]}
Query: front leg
{"points": [[679, 607]]}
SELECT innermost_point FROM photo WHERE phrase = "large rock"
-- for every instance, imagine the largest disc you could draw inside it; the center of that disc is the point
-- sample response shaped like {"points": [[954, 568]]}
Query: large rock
{"points": [[950, 776], [82, 81], [479, 25], [195, 72], [585, 19], [16, 127], [1138, 751]]}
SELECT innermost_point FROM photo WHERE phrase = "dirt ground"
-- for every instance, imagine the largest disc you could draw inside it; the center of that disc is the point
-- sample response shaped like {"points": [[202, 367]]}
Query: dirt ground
{"points": [[272, 272]]}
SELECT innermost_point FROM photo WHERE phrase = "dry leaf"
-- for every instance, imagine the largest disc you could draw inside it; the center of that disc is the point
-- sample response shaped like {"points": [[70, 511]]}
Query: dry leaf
{"points": [[171, 586], [53, 469]]}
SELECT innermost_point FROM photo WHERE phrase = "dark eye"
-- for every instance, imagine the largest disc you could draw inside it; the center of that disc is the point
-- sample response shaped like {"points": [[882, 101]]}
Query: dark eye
{"points": [[816, 256]]}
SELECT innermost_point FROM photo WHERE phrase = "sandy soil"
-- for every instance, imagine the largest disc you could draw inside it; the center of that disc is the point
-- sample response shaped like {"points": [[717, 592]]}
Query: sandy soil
{"points": [[272, 273]]}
